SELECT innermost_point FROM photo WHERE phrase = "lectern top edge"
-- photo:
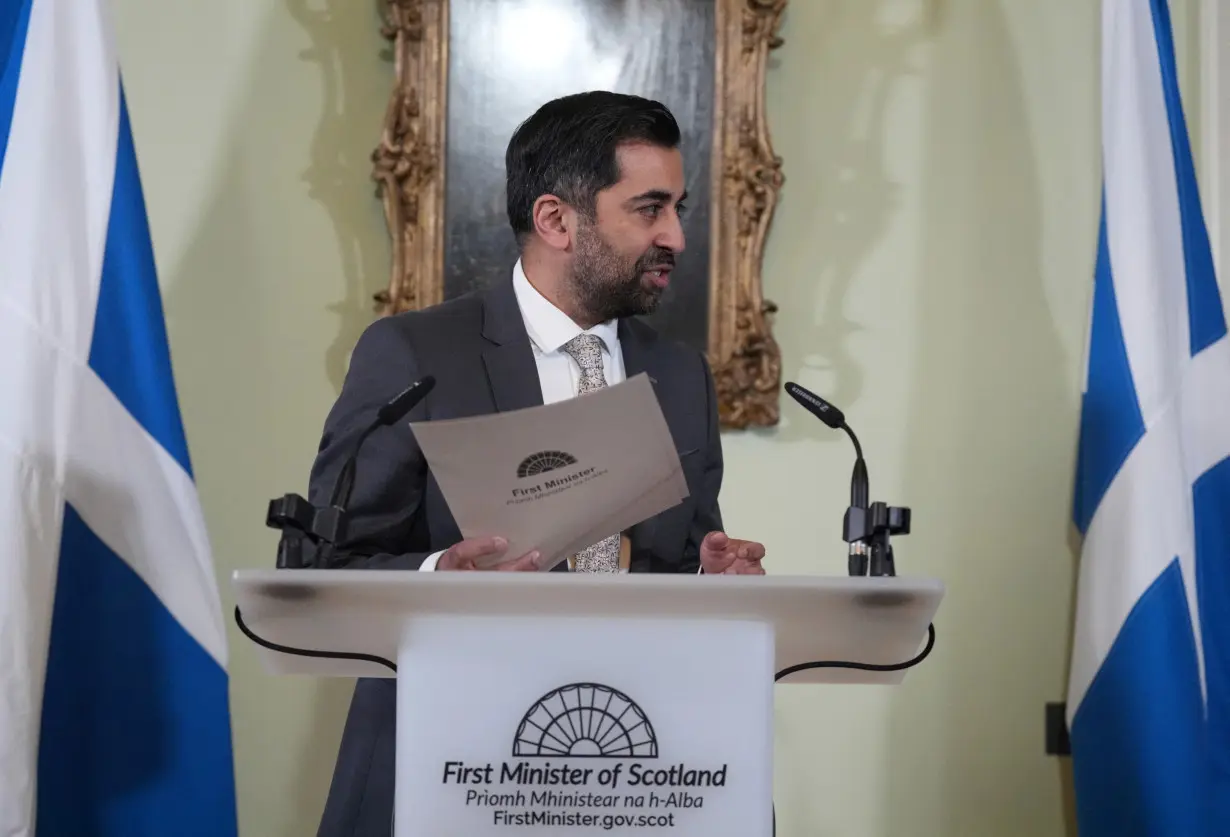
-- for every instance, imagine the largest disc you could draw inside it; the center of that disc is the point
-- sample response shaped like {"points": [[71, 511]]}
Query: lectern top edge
{"points": [[360, 578], [878, 620]]}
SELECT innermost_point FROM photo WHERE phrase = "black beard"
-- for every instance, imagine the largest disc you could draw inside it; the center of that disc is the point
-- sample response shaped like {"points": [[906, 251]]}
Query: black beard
{"points": [[608, 286]]}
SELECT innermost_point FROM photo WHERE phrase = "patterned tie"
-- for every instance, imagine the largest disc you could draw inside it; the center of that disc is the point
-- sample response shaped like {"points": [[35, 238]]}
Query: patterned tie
{"points": [[586, 350]]}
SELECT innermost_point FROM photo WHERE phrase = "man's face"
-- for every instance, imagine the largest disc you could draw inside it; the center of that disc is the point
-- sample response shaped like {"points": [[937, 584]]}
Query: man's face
{"points": [[622, 262]]}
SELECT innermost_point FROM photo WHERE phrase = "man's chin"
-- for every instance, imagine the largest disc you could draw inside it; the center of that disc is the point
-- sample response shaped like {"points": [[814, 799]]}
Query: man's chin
{"points": [[649, 302], [651, 295], [645, 300], [640, 307]]}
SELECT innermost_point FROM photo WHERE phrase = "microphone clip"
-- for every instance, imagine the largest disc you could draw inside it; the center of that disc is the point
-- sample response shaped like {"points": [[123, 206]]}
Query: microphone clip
{"points": [[869, 532], [309, 534]]}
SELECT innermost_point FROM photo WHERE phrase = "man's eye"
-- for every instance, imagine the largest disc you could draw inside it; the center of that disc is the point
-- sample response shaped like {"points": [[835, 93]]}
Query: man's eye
{"points": [[681, 209], [652, 210]]}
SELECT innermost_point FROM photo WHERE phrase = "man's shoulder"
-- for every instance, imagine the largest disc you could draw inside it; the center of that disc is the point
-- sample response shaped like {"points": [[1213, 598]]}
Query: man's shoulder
{"points": [[452, 318]]}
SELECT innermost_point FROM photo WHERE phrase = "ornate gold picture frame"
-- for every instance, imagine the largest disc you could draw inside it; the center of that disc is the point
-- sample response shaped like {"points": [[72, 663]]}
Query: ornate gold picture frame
{"points": [[745, 177]]}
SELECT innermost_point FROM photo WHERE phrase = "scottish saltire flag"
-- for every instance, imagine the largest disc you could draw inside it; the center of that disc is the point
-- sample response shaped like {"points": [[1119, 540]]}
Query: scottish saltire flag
{"points": [[1149, 692], [113, 685]]}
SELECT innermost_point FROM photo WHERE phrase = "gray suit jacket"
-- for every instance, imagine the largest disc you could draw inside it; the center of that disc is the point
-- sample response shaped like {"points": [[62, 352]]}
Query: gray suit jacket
{"points": [[477, 348]]}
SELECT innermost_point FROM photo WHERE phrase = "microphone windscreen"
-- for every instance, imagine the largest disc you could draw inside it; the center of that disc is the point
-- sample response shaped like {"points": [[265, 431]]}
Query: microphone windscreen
{"points": [[403, 403], [816, 405]]}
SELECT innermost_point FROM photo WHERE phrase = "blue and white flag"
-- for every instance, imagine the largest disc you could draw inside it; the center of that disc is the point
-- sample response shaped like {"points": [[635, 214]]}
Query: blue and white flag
{"points": [[1149, 690], [113, 687]]}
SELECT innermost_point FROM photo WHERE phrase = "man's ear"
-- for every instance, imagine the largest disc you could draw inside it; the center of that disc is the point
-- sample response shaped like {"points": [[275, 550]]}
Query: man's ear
{"points": [[553, 221]]}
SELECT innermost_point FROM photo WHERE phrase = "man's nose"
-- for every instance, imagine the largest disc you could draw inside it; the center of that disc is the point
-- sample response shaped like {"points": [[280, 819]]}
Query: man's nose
{"points": [[671, 236]]}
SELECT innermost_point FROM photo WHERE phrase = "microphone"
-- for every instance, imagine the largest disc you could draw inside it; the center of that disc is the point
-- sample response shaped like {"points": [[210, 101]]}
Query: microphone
{"points": [[310, 534], [867, 527], [819, 408]]}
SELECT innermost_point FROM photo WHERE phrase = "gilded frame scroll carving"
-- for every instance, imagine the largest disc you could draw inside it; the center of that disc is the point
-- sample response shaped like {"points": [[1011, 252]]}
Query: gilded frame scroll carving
{"points": [[408, 165]]}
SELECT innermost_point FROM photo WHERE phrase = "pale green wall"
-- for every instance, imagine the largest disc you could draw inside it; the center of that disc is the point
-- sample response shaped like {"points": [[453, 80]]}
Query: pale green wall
{"points": [[931, 257]]}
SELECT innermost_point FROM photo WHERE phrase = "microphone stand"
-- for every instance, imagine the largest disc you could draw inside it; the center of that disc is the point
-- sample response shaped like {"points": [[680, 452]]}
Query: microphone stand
{"points": [[868, 527]]}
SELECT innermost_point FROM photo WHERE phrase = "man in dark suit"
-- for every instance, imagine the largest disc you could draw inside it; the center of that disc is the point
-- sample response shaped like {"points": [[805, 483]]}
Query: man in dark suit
{"points": [[595, 192]]}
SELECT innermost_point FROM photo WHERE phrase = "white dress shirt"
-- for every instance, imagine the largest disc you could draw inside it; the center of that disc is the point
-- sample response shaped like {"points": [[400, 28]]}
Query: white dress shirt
{"points": [[549, 330]]}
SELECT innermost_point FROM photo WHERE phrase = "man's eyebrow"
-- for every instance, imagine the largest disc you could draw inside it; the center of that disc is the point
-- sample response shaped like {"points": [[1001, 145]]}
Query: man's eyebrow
{"points": [[655, 195]]}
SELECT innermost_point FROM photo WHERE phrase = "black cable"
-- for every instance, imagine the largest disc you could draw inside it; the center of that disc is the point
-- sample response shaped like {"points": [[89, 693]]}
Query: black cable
{"points": [[305, 652], [922, 655]]}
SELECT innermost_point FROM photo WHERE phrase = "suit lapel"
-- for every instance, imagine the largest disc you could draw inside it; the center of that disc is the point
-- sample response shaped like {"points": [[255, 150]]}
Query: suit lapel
{"points": [[508, 357], [513, 377], [637, 345]]}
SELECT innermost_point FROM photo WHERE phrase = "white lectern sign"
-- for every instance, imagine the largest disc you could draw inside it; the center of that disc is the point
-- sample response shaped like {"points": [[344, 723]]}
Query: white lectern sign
{"points": [[593, 726]]}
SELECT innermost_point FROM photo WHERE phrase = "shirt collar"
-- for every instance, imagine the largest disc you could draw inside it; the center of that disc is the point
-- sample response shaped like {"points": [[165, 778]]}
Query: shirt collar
{"points": [[548, 327]]}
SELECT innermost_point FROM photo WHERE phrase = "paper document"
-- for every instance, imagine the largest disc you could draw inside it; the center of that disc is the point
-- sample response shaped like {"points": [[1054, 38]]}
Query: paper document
{"points": [[559, 477]]}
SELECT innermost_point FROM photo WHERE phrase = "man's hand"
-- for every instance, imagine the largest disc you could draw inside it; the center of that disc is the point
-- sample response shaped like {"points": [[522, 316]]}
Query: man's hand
{"points": [[722, 555], [466, 555]]}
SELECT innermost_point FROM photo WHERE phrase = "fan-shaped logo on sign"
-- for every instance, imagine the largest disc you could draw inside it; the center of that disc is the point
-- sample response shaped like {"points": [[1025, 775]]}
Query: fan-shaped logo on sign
{"points": [[543, 461], [586, 720]]}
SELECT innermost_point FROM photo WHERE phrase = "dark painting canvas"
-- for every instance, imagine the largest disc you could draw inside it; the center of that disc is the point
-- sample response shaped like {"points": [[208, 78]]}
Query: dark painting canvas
{"points": [[507, 58]]}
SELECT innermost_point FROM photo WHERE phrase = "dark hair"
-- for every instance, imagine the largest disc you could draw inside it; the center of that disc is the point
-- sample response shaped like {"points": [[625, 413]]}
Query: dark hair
{"points": [[567, 148]]}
